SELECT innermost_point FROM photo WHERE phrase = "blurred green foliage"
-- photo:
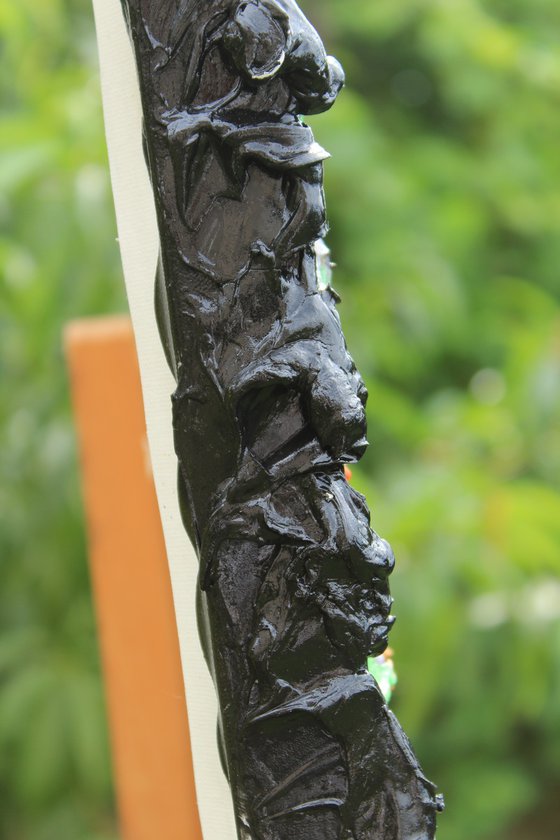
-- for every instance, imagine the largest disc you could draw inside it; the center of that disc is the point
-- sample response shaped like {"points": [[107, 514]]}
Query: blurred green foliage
{"points": [[444, 200], [58, 260]]}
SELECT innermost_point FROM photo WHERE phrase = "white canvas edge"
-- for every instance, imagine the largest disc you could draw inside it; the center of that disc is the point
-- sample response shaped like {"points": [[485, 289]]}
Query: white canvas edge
{"points": [[139, 245]]}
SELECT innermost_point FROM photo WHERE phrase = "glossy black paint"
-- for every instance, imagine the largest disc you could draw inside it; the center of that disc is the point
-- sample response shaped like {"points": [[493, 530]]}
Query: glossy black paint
{"points": [[268, 408]]}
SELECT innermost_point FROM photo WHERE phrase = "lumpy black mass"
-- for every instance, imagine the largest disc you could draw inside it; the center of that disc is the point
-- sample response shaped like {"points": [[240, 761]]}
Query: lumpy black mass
{"points": [[269, 407]]}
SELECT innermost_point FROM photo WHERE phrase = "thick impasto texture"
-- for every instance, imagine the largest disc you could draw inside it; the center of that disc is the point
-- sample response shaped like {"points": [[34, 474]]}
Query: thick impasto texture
{"points": [[443, 194], [269, 407]]}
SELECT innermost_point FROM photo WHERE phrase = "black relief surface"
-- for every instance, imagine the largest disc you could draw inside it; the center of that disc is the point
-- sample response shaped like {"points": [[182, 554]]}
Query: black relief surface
{"points": [[268, 409]]}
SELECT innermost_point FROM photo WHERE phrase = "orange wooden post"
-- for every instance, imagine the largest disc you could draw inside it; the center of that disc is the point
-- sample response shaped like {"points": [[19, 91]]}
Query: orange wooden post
{"points": [[132, 590]]}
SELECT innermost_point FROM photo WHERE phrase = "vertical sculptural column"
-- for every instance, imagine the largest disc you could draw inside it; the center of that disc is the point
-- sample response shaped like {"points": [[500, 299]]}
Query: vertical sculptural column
{"points": [[269, 407]]}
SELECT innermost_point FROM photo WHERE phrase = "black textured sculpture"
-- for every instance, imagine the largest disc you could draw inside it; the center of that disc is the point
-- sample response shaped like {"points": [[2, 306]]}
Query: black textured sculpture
{"points": [[268, 409]]}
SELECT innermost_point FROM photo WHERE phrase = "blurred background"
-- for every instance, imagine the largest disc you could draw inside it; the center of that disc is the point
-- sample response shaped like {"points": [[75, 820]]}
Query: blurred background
{"points": [[444, 200]]}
